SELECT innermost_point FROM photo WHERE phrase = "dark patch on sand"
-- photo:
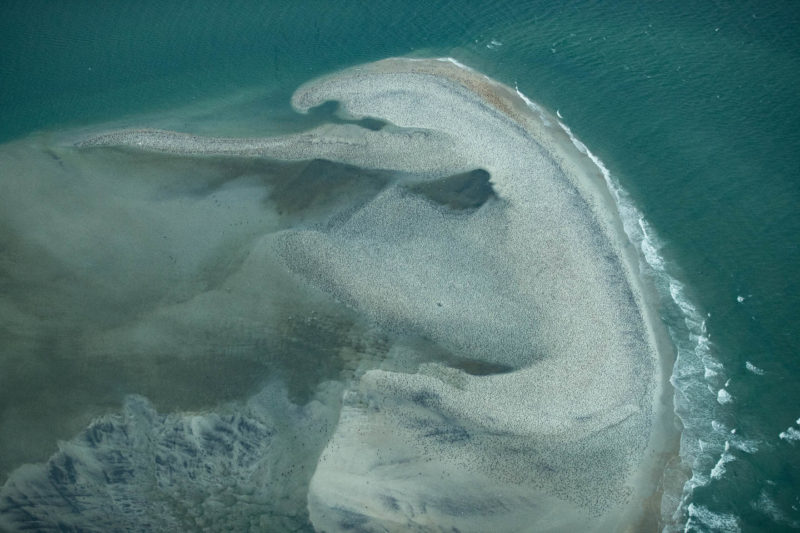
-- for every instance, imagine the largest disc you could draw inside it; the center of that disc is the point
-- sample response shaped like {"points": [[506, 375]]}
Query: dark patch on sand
{"points": [[468, 190], [321, 186], [351, 521], [476, 367], [431, 351], [304, 193], [329, 112], [307, 351]]}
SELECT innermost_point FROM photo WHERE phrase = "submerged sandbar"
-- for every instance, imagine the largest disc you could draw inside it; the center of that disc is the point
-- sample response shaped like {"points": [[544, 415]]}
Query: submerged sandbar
{"points": [[532, 281]]}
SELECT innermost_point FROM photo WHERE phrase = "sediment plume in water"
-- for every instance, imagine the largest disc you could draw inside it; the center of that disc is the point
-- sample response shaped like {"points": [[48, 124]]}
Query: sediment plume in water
{"points": [[454, 292]]}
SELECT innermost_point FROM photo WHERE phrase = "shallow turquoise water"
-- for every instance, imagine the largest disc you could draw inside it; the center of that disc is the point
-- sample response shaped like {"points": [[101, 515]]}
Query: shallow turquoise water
{"points": [[693, 108]]}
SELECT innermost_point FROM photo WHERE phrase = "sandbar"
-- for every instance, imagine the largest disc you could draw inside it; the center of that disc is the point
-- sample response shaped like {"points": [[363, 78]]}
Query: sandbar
{"points": [[534, 280]]}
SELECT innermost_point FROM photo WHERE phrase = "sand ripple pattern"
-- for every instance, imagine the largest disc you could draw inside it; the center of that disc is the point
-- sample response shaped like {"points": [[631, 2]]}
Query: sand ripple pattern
{"points": [[530, 282]]}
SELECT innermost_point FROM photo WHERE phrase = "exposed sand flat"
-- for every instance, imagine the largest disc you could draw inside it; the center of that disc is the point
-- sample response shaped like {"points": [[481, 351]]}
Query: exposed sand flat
{"points": [[537, 283], [371, 149], [534, 284]]}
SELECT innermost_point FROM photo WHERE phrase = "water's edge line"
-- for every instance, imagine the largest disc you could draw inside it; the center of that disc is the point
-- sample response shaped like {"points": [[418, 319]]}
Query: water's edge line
{"points": [[691, 344]]}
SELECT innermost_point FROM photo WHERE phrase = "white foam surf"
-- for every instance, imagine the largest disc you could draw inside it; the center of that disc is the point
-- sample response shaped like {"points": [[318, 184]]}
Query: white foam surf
{"points": [[766, 505], [724, 397], [753, 368], [695, 365], [701, 518], [791, 434], [726, 457], [536, 109], [697, 374]]}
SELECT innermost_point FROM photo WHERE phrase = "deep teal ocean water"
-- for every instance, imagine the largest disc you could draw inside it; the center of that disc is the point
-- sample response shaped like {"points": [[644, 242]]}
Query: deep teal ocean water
{"points": [[693, 107]]}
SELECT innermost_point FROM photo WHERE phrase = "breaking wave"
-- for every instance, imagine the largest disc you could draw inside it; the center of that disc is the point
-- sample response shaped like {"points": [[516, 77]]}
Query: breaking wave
{"points": [[698, 376]]}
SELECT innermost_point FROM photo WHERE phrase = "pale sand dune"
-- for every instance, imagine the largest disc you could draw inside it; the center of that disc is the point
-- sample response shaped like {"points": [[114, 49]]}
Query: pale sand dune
{"points": [[535, 281]]}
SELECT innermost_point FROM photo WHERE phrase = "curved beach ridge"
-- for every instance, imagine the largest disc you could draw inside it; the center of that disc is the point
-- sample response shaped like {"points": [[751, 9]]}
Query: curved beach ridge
{"points": [[535, 281]]}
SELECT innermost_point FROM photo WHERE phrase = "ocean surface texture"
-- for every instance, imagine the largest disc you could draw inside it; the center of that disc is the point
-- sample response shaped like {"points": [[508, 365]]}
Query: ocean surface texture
{"points": [[541, 273]]}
